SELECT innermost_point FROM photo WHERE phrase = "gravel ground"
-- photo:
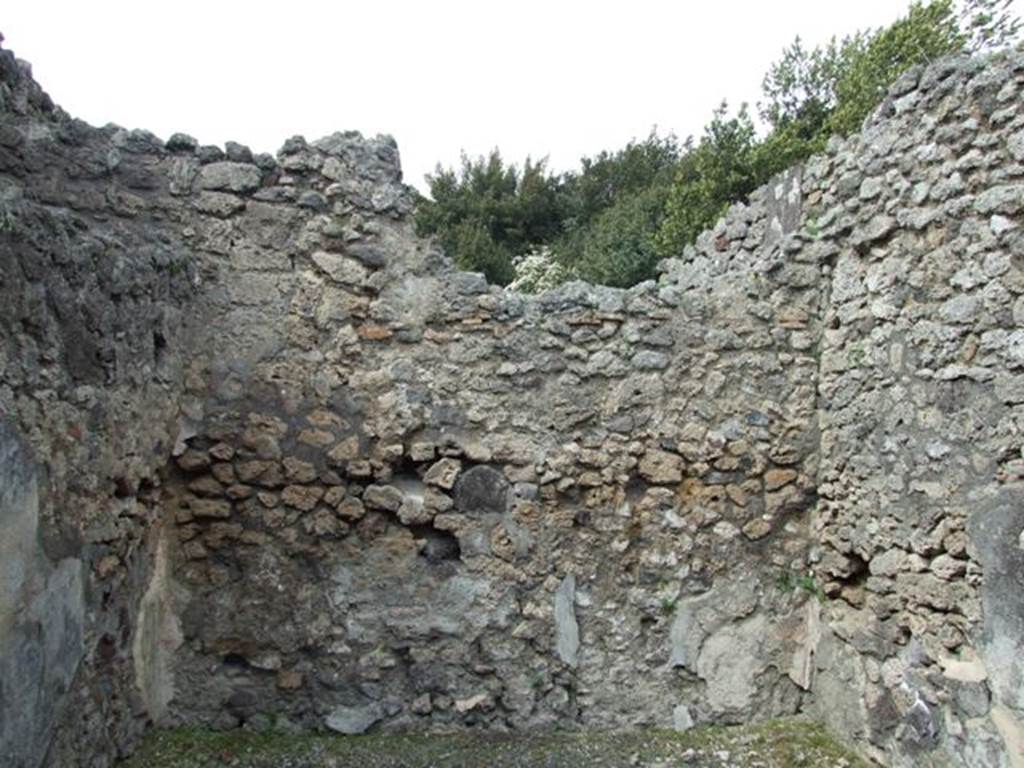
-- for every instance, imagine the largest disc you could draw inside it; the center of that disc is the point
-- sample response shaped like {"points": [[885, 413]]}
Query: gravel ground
{"points": [[777, 744]]}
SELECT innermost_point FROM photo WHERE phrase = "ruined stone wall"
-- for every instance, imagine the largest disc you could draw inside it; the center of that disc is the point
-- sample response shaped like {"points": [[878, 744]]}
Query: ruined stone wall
{"points": [[417, 499], [916, 533], [94, 297], [920, 519], [782, 478]]}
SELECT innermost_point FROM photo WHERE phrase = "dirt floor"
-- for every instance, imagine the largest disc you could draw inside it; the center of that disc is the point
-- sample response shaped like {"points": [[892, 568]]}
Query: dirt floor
{"points": [[777, 744]]}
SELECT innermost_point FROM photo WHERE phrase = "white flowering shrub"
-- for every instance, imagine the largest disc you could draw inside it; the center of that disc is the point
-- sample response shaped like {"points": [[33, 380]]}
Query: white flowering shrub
{"points": [[538, 271]]}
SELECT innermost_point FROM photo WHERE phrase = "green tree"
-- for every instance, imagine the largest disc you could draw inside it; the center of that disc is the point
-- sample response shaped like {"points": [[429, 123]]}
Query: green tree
{"points": [[607, 177], [799, 88], [721, 169], [475, 248], [487, 213], [870, 64], [833, 88], [613, 210], [619, 247]]}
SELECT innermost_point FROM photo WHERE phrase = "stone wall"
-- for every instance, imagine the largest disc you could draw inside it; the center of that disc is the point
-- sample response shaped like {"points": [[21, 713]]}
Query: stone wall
{"points": [[921, 389], [417, 499], [94, 297], [307, 474]]}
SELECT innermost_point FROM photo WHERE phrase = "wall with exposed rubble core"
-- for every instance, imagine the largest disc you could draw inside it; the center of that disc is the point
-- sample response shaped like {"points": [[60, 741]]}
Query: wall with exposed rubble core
{"points": [[267, 459]]}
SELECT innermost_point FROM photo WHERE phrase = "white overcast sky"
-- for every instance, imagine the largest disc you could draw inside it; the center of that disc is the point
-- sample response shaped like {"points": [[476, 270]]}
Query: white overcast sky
{"points": [[552, 78]]}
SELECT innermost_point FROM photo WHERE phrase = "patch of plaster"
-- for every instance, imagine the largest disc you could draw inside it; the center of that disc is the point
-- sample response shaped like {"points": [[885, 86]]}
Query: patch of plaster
{"points": [[157, 636], [1012, 730], [565, 621]]}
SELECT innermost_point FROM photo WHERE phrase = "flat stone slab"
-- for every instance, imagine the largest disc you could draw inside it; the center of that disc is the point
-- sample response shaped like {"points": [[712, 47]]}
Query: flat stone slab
{"points": [[775, 744]]}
